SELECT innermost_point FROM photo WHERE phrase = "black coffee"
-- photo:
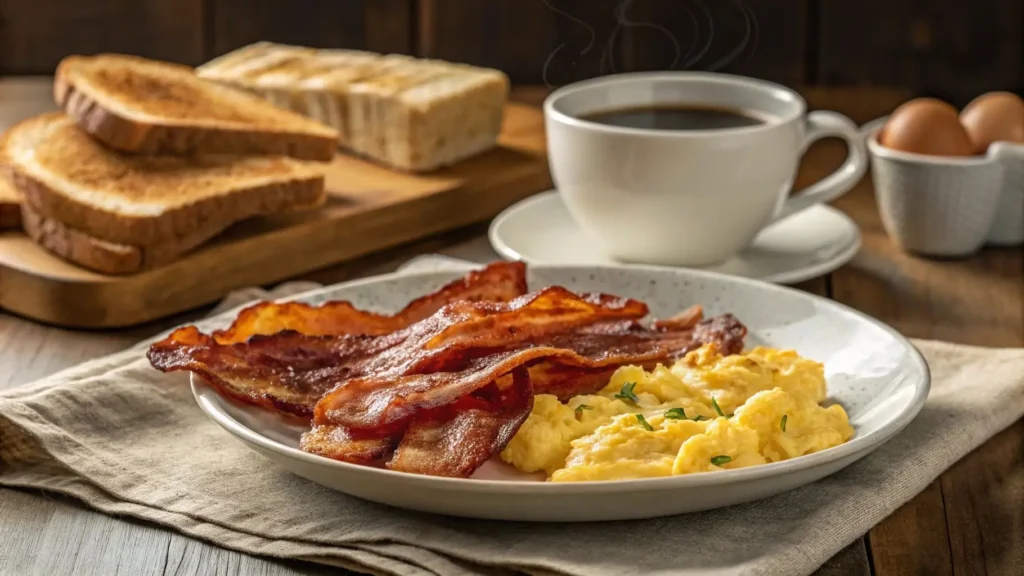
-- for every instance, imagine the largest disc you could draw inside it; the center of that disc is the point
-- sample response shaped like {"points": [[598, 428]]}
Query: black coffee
{"points": [[680, 117]]}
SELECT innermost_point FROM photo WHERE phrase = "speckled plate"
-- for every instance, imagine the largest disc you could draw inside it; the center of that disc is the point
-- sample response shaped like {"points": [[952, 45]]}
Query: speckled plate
{"points": [[877, 375]]}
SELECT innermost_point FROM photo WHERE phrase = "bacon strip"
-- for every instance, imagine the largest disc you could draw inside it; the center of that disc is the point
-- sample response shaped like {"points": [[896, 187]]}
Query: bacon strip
{"points": [[286, 372], [498, 282], [566, 364], [452, 440], [290, 372], [338, 443], [456, 441]]}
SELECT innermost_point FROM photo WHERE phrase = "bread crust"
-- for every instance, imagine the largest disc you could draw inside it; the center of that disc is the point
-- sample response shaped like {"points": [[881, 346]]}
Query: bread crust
{"points": [[187, 225], [79, 248], [104, 256], [130, 135]]}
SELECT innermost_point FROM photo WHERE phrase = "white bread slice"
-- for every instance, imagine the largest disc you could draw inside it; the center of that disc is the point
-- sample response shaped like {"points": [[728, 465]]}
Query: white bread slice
{"points": [[311, 82], [452, 111], [149, 107], [329, 95], [281, 83], [366, 98], [171, 202], [10, 203], [437, 119], [241, 68], [250, 60]]}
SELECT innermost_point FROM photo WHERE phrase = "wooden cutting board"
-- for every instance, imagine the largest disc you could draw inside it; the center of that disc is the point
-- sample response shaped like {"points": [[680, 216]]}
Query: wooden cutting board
{"points": [[369, 208]]}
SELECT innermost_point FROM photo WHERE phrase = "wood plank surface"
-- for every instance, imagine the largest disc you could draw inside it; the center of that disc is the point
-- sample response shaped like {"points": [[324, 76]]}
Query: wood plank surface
{"points": [[491, 34], [761, 38], [568, 41], [390, 26], [951, 49], [235, 23], [36, 34], [378, 25], [939, 47], [576, 40]]}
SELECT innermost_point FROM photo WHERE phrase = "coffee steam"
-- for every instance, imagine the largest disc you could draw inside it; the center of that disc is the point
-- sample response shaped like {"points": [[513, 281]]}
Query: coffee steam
{"points": [[702, 36]]}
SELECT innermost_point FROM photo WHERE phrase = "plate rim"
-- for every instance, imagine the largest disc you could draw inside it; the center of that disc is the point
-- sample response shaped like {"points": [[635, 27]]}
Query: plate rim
{"points": [[859, 445], [789, 277]]}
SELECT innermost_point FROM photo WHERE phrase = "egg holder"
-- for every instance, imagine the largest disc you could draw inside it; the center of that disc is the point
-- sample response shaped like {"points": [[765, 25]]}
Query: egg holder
{"points": [[948, 206]]}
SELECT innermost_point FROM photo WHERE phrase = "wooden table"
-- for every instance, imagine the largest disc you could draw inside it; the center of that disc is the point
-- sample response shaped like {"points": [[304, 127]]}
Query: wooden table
{"points": [[969, 521]]}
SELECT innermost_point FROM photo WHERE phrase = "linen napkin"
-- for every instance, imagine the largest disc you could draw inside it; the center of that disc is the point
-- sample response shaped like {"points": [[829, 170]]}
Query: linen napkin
{"points": [[126, 439]]}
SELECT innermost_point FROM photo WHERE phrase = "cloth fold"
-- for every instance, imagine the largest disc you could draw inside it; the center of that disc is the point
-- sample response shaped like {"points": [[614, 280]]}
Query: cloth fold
{"points": [[128, 440]]}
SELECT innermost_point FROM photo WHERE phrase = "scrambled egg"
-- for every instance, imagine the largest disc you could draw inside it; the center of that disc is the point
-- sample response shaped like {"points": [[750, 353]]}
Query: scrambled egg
{"points": [[707, 412]]}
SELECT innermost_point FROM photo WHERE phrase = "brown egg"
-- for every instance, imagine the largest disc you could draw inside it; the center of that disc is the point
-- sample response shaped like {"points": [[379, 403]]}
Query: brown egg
{"points": [[926, 126], [994, 117]]}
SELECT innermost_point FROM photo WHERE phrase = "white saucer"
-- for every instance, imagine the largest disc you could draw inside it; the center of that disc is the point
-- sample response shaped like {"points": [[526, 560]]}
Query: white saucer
{"points": [[539, 230]]}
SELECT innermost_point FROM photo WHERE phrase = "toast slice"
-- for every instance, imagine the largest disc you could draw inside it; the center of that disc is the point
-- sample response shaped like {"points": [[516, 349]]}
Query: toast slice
{"points": [[150, 107], [408, 113], [10, 203], [75, 188], [96, 254], [82, 249], [435, 117]]}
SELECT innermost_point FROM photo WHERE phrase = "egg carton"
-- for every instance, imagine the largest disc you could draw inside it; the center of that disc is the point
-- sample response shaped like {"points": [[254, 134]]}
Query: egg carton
{"points": [[948, 206]]}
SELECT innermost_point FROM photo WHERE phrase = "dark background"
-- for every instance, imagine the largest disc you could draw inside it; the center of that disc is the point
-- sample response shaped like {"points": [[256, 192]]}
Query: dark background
{"points": [[953, 49]]}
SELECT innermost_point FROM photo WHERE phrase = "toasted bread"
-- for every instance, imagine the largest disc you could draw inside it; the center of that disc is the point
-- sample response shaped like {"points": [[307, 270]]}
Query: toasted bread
{"points": [[75, 188], [407, 113], [10, 203], [149, 107], [96, 254], [79, 248]]}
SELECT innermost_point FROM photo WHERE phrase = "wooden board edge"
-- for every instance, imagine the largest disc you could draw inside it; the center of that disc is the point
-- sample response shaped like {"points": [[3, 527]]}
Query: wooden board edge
{"points": [[61, 302]]}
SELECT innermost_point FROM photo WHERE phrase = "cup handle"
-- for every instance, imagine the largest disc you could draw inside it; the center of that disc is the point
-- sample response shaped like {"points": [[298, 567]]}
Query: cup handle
{"points": [[823, 124]]}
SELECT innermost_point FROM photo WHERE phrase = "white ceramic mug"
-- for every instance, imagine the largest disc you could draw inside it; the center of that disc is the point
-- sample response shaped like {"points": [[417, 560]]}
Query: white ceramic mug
{"points": [[688, 197]]}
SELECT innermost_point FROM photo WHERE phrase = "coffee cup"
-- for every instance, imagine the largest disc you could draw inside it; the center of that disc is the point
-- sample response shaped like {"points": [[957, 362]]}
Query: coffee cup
{"points": [[685, 168]]}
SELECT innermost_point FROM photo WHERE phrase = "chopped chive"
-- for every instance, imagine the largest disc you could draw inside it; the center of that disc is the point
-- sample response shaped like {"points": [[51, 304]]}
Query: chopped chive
{"points": [[719, 460], [675, 414], [783, 423], [698, 418], [643, 422], [579, 410], [627, 392], [714, 404]]}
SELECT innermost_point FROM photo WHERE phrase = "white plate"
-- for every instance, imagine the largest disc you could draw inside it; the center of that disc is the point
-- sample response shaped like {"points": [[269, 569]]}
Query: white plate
{"points": [[878, 377], [540, 230]]}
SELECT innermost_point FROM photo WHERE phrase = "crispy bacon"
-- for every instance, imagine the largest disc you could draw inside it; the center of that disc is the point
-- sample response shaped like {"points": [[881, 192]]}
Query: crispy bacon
{"points": [[286, 372], [724, 330], [686, 319], [566, 364], [290, 372], [339, 443], [456, 439], [443, 385], [498, 282], [451, 440]]}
